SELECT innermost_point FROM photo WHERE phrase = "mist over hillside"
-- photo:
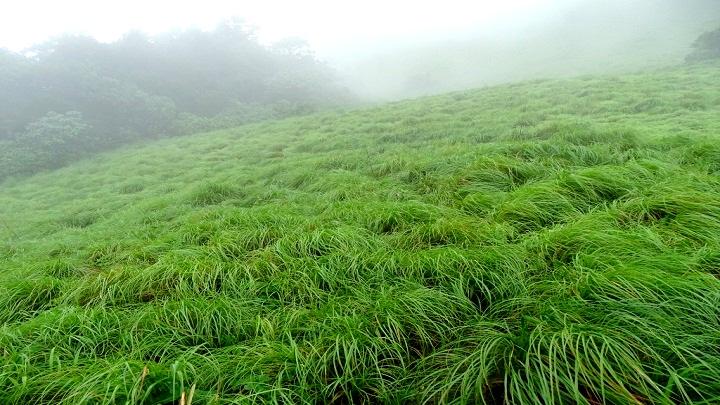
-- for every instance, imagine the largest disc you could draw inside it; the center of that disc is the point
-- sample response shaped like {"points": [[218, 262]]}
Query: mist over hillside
{"points": [[74, 95], [574, 37]]}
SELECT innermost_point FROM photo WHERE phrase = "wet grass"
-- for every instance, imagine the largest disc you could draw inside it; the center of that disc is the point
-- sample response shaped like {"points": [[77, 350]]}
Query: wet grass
{"points": [[536, 243]]}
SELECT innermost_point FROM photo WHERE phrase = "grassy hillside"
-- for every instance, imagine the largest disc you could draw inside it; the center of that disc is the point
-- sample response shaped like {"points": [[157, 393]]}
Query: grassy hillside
{"points": [[544, 242]]}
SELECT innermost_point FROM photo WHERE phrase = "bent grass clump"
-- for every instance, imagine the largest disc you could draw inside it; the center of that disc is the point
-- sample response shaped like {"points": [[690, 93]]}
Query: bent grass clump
{"points": [[554, 250]]}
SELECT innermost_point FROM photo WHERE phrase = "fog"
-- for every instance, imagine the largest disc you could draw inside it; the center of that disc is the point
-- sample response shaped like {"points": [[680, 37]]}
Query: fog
{"points": [[565, 38], [79, 77], [329, 26], [389, 50]]}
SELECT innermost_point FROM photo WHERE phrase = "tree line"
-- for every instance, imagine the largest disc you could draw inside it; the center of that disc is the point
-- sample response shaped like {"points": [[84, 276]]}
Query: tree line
{"points": [[74, 96]]}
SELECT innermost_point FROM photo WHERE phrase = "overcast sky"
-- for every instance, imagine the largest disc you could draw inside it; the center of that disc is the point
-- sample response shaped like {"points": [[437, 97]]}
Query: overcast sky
{"points": [[327, 25]]}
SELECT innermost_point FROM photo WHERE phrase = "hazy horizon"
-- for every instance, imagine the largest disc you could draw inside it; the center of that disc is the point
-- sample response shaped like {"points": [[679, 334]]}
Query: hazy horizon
{"points": [[326, 25], [387, 51]]}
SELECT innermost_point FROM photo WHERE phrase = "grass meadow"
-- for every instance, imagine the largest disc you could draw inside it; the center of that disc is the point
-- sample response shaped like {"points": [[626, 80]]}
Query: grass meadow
{"points": [[546, 242]]}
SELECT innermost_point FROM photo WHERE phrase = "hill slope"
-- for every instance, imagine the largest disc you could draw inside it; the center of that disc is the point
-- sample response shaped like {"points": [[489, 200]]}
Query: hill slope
{"points": [[545, 242]]}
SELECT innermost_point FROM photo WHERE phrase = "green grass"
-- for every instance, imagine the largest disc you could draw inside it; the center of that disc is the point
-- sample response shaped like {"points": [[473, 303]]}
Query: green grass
{"points": [[535, 243]]}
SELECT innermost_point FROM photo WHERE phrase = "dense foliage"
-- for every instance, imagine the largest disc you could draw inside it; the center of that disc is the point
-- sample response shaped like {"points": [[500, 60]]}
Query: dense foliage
{"points": [[540, 243], [141, 87]]}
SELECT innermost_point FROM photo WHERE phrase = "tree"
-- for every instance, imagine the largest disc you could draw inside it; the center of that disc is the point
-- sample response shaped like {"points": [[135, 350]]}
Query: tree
{"points": [[55, 138], [16, 74], [706, 47]]}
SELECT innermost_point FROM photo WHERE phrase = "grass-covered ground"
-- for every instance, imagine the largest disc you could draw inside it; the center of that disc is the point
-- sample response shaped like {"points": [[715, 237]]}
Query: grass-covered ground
{"points": [[539, 243]]}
